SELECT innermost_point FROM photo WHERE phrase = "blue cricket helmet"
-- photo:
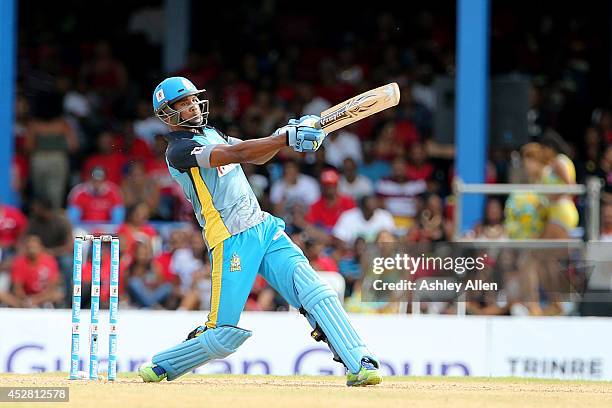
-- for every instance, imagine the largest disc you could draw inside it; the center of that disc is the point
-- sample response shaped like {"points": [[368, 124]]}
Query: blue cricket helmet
{"points": [[171, 90]]}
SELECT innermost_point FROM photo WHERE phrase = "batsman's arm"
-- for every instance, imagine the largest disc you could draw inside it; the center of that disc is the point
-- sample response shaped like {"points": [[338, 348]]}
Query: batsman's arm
{"points": [[265, 158], [257, 151], [260, 160], [185, 154]]}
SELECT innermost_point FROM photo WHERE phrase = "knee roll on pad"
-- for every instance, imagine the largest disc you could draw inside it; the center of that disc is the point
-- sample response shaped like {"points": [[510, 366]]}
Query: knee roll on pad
{"points": [[321, 302], [211, 344]]}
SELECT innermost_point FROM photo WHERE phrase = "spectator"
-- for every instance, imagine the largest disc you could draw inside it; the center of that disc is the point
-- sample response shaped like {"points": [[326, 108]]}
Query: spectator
{"points": [[50, 140], [20, 160], [269, 115], [262, 297], [313, 104], [387, 145], [538, 115], [373, 167], [6, 297], [485, 302], [147, 126], [606, 224], [606, 166], [96, 200], [55, 233], [415, 116], [157, 169], [341, 145], [431, 225], [177, 240], [134, 148], [146, 284], [365, 221], [107, 157], [593, 147], [138, 187], [492, 226], [373, 301], [191, 264], [353, 184], [313, 164], [293, 187], [325, 212], [314, 251], [136, 228], [418, 167], [399, 194], [405, 134], [77, 101], [350, 265], [35, 276], [238, 94], [106, 75], [12, 226]]}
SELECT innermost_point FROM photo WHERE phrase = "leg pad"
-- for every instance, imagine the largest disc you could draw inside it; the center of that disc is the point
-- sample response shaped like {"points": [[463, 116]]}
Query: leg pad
{"points": [[212, 344], [321, 303]]}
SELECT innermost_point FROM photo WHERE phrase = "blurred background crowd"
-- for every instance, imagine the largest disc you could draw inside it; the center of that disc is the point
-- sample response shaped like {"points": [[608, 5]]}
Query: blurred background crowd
{"points": [[90, 153]]}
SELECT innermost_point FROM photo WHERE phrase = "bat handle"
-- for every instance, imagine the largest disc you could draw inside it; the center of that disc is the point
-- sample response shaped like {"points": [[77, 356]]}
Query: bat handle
{"points": [[317, 124]]}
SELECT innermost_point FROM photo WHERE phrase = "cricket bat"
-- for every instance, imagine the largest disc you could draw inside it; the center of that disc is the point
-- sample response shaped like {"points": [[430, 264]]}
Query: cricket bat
{"points": [[359, 107]]}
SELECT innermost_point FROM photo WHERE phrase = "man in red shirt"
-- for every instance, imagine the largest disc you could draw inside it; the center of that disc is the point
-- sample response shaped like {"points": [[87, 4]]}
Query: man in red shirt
{"points": [[136, 228], [108, 157], [12, 225], [35, 275], [325, 212], [418, 166], [97, 200], [134, 147]]}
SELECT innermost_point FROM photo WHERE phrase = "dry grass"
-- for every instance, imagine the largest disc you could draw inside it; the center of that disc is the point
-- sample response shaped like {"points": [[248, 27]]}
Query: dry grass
{"points": [[296, 391]]}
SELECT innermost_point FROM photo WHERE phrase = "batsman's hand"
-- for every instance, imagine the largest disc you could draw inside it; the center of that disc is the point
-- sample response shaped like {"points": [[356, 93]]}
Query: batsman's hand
{"points": [[303, 135]]}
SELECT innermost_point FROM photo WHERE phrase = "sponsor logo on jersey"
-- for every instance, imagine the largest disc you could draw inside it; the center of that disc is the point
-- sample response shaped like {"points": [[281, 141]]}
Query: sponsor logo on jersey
{"points": [[223, 170]]}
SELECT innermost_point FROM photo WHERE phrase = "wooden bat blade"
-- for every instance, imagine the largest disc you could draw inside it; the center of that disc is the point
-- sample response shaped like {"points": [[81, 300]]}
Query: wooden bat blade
{"points": [[359, 107]]}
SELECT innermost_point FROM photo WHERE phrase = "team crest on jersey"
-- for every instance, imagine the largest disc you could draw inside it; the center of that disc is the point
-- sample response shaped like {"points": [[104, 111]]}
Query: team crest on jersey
{"points": [[235, 263]]}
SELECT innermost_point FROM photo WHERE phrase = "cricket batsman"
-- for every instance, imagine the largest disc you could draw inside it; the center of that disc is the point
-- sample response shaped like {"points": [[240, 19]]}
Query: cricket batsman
{"points": [[243, 240]]}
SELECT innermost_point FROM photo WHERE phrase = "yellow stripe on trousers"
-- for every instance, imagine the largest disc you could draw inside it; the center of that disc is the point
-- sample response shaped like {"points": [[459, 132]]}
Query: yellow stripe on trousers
{"points": [[216, 275], [215, 230]]}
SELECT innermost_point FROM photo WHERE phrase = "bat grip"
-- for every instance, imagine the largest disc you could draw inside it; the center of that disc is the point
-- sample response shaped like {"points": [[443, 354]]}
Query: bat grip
{"points": [[317, 124]]}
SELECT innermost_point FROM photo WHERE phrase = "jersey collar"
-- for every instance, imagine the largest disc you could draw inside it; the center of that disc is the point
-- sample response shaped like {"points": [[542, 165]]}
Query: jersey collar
{"points": [[181, 134]]}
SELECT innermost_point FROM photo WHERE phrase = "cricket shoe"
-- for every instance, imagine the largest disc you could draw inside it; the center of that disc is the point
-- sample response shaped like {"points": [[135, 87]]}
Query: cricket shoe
{"points": [[368, 374], [150, 372]]}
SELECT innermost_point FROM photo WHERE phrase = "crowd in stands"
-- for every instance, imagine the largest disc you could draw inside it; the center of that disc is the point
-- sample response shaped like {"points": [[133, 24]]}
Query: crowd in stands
{"points": [[90, 156]]}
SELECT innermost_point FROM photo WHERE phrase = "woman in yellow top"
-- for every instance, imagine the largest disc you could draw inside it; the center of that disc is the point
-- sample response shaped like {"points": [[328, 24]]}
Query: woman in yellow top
{"points": [[525, 213], [533, 215], [559, 169]]}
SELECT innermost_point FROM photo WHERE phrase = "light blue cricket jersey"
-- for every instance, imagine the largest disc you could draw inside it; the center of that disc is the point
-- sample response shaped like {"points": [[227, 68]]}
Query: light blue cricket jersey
{"points": [[222, 198]]}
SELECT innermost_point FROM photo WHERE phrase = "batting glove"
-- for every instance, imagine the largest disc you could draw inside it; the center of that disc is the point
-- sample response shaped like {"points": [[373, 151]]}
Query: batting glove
{"points": [[302, 134]]}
